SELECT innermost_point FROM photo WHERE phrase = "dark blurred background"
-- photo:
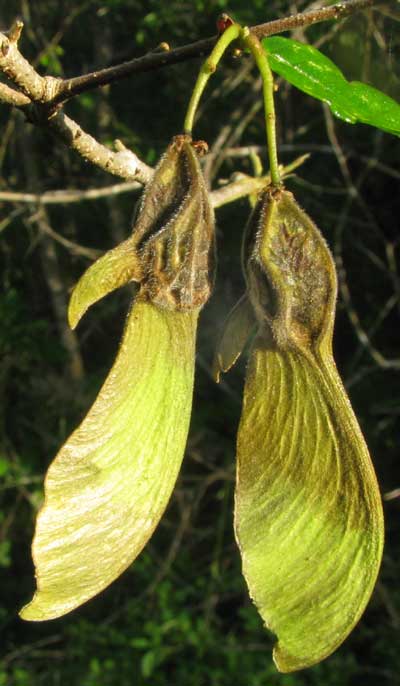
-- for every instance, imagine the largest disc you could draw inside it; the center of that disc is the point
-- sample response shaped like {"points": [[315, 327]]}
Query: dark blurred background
{"points": [[181, 615]]}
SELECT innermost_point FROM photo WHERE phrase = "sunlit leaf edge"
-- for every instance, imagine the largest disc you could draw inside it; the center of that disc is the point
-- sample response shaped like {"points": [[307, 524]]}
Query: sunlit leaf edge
{"points": [[312, 72]]}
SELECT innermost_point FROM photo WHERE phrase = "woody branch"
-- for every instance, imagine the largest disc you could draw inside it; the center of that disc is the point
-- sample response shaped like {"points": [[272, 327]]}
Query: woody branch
{"points": [[41, 98]]}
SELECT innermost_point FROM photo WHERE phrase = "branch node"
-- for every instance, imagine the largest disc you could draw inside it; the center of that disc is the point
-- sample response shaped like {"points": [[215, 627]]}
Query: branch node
{"points": [[129, 160], [14, 34], [119, 146], [162, 47], [5, 47], [209, 67], [51, 87], [37, 113]]}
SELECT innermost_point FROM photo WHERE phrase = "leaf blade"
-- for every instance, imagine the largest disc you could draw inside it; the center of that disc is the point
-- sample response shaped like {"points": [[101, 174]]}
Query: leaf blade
{"points": [[315, 74]]}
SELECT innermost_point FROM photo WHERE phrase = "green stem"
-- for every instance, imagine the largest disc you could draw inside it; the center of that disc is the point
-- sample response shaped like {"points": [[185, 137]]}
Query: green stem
{"points": [[208, 68], [260, 58]]}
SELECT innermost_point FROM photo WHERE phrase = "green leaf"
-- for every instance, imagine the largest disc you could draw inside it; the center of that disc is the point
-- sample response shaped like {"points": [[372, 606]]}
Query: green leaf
{"points": [[375, 108], [312, 72], [107, 488]]}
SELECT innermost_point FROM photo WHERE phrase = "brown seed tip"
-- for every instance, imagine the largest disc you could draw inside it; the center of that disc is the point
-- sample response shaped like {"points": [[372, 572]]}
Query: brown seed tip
{"points": [[201, 147], [180, 140]]}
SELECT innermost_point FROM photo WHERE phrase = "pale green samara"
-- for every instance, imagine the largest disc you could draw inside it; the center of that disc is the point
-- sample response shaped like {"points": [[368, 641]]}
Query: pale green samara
{"points": [[108, 487], [308, 513]]}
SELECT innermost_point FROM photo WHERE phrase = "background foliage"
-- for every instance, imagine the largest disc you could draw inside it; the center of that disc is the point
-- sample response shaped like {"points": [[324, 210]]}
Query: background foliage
{"points": [[181, 614]]}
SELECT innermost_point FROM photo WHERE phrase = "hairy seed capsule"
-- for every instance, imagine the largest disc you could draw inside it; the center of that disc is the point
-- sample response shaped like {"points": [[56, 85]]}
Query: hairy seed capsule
{"points": [[290, 272], [174, 233], [171, 251]]}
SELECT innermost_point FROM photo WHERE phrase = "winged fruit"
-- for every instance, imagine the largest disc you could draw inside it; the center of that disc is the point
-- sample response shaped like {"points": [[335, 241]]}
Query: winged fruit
{"points": [[107, 488], [308, 514]]}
